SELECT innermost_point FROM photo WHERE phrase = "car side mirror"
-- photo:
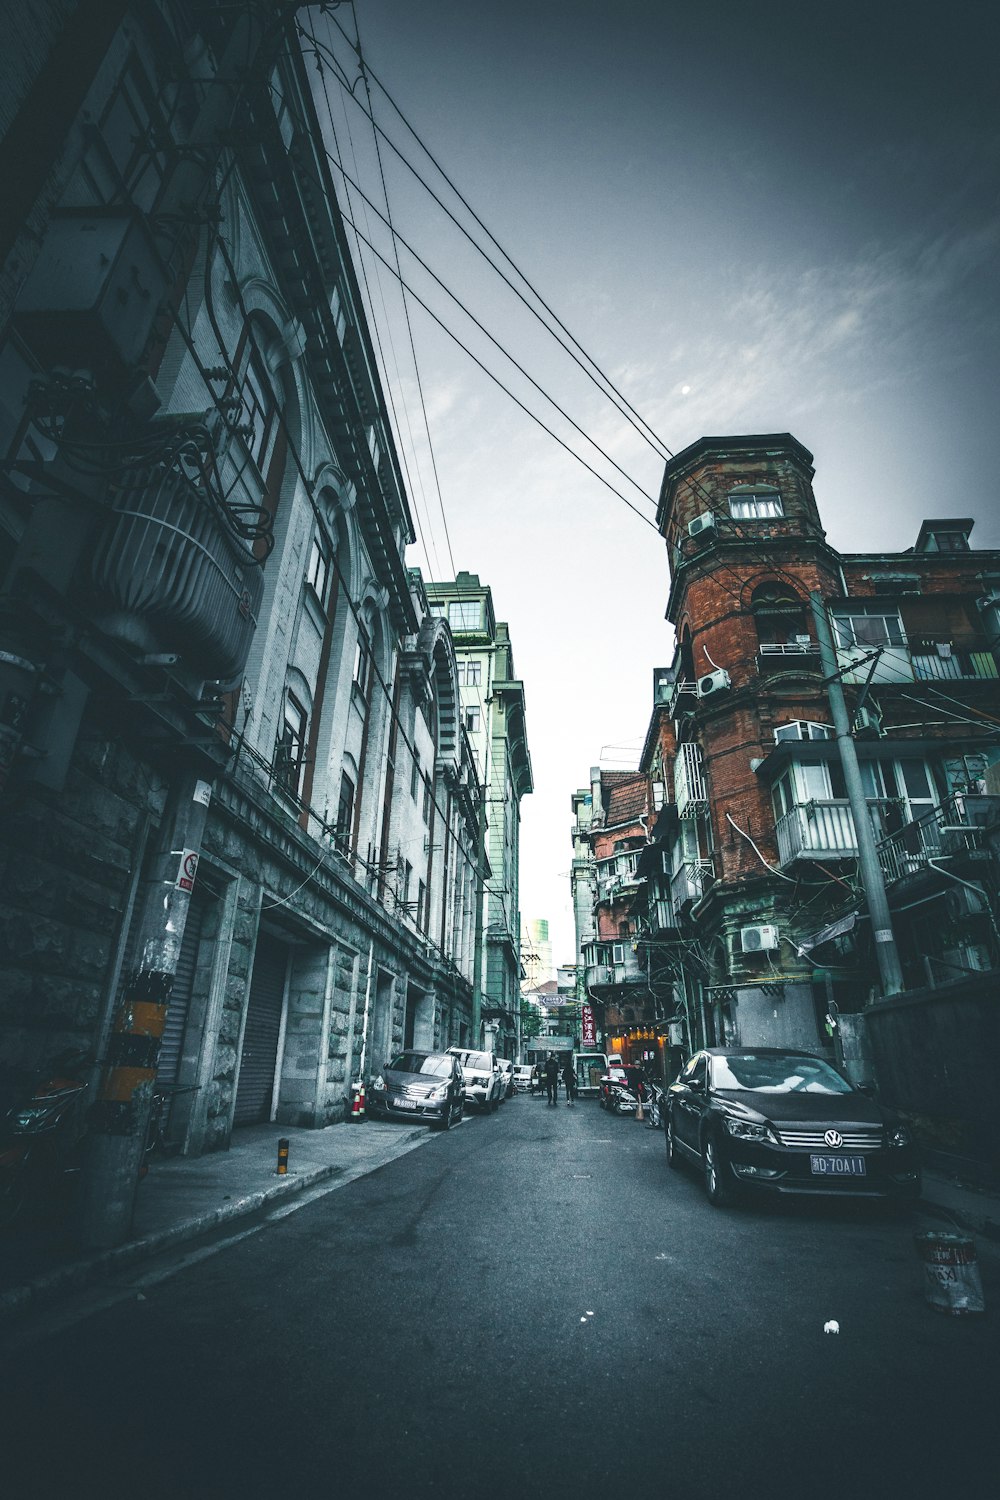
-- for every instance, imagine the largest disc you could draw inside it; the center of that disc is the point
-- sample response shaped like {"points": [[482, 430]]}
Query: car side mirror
{"points": [[868, 1089]]}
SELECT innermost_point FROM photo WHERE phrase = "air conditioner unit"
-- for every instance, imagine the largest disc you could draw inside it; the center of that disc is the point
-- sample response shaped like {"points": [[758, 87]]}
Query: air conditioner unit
{"points": [[867, 723], [960, 901], [758, 939], [704, 522], [715, 682]]}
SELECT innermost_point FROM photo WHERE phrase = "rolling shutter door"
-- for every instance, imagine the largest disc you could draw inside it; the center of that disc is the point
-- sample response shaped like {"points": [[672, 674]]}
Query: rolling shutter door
{"points": [[169, 1063], [260, 1037]]}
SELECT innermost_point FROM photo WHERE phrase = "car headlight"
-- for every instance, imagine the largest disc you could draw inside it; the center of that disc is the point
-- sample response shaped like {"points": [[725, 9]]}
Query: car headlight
{"points": [[378, 1083], [441, 1092], [747, 1130], [897, 1135]]}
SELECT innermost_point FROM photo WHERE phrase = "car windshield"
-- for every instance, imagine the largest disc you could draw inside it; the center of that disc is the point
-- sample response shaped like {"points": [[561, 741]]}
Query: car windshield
{"points": [[478, 1060], [789, 1073], [421, 1062]]}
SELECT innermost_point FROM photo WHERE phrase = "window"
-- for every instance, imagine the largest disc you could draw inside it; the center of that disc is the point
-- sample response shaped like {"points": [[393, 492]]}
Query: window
{"points": [[618, 953], [258, 407], [755, 505], [946, 541], [803, 729], [318, 573], [473, 673], [414, 775], [464, 614], [426, 810], [860, 627], [421, 901], [472, 718], [407, 882], [345, 814], [362, 664], [291, 745], [460, 672]]}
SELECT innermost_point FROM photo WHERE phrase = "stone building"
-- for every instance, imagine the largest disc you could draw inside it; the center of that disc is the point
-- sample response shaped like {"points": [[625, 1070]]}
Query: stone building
{"points": [[756, 928], [240, 805], [493, 711]]}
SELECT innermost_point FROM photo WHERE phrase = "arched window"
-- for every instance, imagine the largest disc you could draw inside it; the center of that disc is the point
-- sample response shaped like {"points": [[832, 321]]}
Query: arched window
{"points": [[780, 616]]}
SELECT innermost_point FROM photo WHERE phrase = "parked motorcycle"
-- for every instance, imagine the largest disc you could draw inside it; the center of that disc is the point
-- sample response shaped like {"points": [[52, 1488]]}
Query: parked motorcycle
{"points": [[621, 1100], [41, 1135]]}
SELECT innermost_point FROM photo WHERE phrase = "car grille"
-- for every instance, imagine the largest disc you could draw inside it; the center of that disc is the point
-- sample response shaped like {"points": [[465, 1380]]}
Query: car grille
{"points": [[812, 1139]]}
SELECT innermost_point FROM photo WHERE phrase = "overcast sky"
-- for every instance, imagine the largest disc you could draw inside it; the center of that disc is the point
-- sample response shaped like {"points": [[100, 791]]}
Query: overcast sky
{"points": [[756, 216]]}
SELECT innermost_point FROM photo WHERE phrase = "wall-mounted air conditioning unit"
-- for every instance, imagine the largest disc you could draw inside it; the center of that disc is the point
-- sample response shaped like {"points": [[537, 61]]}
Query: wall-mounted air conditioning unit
{"points": [[867, 723], [702, 523], [961, 902], [714, 682], [758, 939]]}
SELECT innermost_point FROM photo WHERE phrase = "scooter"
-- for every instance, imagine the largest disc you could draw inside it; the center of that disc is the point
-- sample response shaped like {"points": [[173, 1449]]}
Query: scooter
{"points": [[40, 1140], [621, 1100]]}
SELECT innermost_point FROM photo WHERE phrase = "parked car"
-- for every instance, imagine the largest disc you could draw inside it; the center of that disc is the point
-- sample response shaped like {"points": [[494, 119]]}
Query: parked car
{"points": [[420, 1085], [522, 1078], [507, 1069], [483, 1079], [780, 1121]]}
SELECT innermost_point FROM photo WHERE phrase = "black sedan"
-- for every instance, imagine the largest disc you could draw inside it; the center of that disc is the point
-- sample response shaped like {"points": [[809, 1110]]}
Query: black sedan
{"points": [[784, 1122], [419, 1085]]}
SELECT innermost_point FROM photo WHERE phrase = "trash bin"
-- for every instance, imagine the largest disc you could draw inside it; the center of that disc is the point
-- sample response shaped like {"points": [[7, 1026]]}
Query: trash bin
{"points": [[952, 1283]]}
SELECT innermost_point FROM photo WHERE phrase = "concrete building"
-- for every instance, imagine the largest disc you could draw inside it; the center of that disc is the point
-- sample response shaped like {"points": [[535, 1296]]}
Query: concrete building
{"points": [[240, 813], [536, 953], [493, 714]]}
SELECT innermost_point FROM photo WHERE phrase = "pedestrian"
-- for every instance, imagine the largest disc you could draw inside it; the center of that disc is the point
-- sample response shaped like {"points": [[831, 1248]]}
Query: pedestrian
{"points": [[552, 1079], [569, 1079]]}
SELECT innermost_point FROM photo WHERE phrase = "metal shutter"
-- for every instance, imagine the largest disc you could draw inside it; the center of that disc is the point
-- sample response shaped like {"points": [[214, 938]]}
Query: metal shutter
{"points": [[260, 1037]]}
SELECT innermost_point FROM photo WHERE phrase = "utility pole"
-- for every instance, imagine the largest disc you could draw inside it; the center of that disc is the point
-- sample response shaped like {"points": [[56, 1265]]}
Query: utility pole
{"points": [[477, 954], [869, 869]]}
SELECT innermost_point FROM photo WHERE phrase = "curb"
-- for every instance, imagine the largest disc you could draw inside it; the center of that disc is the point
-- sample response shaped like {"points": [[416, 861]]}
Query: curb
{"points": [[37, 1293]]}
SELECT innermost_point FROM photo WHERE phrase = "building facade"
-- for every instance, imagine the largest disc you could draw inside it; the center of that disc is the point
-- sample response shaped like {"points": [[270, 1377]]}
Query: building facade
{"points": [[493, 713], [240, 807], [757, 905]]}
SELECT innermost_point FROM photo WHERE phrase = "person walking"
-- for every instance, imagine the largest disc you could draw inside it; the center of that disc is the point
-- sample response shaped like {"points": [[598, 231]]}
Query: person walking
{"points": [[569, 1079], [552, 1079]]}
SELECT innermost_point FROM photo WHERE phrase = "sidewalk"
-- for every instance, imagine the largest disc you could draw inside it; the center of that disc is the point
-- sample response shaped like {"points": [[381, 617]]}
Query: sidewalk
{"points": [[184, 1198]]}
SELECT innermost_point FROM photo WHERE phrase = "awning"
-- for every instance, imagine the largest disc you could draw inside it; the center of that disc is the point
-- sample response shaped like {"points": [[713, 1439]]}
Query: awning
{"points": [[834, 930]]}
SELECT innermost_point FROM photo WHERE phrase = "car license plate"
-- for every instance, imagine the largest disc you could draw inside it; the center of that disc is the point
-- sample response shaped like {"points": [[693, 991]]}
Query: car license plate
{"points": [[837, 1166], [404, 1103]]}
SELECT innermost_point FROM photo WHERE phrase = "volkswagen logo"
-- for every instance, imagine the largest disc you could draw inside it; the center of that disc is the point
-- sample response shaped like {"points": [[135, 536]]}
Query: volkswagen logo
{"points": [[833, 1138]]}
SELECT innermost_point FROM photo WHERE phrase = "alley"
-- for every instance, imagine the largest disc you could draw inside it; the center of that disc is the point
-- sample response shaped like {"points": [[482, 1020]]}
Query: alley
{"points": [[532, 1304]]}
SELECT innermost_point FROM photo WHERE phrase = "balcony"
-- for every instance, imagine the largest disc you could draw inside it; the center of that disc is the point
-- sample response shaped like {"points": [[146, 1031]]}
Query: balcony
{"points": [[690, 791], [816, 830], [794, 655], [176, 569], [691, 881], [957, 827], [944, 662]]}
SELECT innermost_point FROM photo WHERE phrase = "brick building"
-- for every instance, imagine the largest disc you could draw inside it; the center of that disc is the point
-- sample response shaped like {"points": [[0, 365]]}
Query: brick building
{"points": [[755, 926]]}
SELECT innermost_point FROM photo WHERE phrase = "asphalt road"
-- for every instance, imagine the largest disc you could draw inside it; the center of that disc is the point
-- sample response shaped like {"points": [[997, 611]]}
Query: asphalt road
{"points": [[532, 1304]]}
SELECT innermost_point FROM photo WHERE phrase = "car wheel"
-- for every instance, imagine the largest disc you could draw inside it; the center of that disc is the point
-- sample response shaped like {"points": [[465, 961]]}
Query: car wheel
{"points": [[445, 1120], [673, 1160], [717, 1189]]}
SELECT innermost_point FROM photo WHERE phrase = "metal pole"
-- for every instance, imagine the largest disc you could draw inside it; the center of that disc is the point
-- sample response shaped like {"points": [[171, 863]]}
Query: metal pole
{"points": [[869, 868], [477, 955]]}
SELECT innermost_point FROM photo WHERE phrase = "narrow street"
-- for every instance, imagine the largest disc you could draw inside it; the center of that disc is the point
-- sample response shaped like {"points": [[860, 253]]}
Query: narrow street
{"points": [[532, 1304]]}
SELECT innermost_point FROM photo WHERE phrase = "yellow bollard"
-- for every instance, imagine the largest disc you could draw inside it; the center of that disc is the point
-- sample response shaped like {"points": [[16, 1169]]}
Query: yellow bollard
{"points": [[282, 1158]]}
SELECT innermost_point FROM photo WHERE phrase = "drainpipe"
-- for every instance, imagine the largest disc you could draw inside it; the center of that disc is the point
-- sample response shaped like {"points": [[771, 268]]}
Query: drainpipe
{"points": [[869, 868], [477, 953], [119, 1118]]}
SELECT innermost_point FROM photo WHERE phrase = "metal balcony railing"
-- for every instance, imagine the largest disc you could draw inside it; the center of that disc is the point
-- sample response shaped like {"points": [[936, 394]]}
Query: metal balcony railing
{"points": [[957, 826], [690, 791], [691, 881], [816, 830], [945, 663], [177, 567]]}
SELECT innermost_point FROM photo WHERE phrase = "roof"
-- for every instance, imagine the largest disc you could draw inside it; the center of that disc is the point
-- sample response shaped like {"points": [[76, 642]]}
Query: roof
{"points": [[625, 796]]}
